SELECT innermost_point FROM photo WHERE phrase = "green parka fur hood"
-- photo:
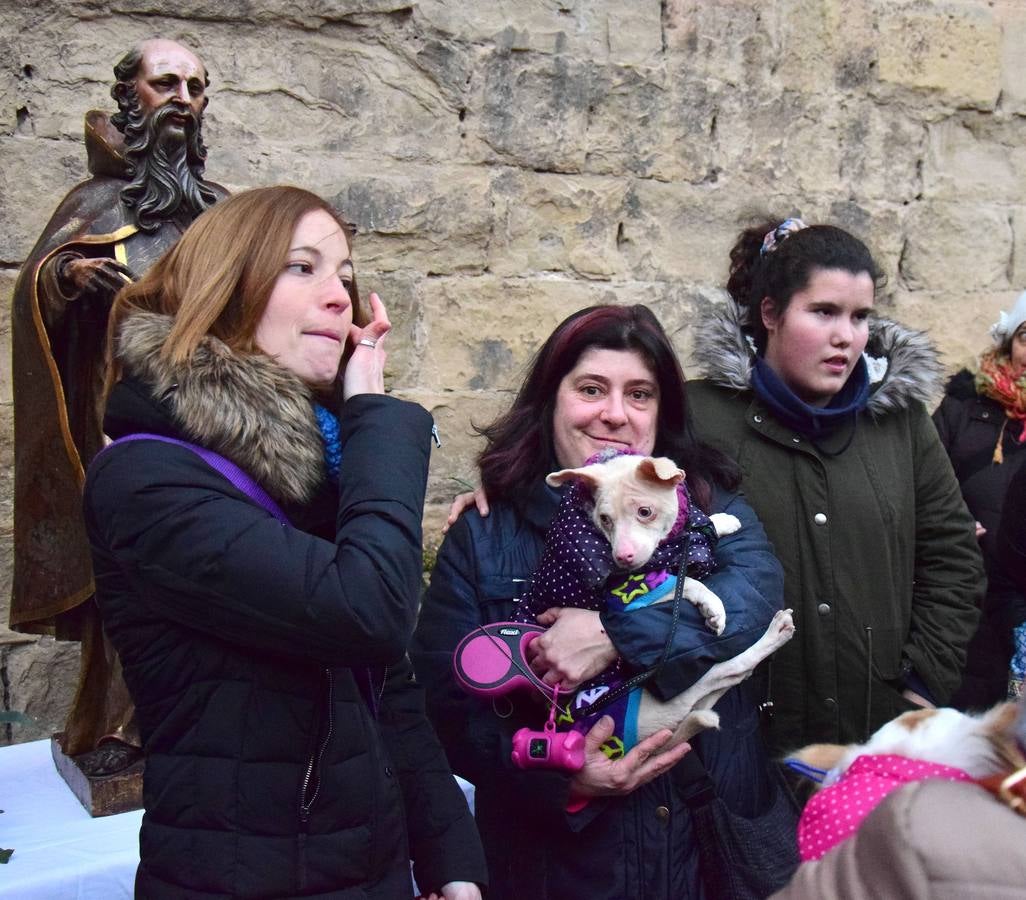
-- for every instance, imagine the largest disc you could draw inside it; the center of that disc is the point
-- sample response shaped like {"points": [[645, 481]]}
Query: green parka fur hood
{"points": [[904, 367], [880, 557]]}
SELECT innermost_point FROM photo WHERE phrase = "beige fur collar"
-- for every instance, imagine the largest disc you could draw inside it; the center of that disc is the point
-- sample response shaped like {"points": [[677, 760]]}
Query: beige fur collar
{"points": [[245, 407]]}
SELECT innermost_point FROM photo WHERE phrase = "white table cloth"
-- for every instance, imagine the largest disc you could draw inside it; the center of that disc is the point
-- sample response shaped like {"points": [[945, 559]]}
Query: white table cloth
{"points": [[59, 850]]}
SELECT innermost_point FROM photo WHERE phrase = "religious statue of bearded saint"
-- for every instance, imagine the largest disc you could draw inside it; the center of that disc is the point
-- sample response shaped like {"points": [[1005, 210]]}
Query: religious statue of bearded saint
{"points": [[147, 185]]}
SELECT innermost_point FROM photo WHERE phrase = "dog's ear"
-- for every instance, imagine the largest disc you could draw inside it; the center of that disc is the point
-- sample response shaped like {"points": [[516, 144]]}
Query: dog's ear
{"points": [[586, 475], [1002, 716], [660, 470], [1000, 724], [1000, 720]]}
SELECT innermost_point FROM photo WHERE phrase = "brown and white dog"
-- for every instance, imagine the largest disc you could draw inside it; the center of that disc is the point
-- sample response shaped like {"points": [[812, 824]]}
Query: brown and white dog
{"points": [[920, 745], [979, 744]]}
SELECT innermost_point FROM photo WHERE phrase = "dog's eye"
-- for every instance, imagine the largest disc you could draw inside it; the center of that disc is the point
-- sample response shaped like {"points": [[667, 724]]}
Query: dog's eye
{"points": [[645, 513], [605, 521]]}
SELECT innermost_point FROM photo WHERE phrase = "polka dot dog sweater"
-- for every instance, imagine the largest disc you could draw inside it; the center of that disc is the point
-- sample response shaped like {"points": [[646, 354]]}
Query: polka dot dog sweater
{"points": [[577, 570], [835, 813]]}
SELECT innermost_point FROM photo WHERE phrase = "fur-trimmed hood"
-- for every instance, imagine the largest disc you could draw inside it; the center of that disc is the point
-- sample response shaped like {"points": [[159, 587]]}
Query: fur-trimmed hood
{"points": [[245, 407], [903, 364], [962, 385]]}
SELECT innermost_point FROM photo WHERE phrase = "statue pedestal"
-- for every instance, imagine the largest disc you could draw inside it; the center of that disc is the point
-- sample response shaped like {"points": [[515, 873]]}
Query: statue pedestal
{"points": [[104, 795]]}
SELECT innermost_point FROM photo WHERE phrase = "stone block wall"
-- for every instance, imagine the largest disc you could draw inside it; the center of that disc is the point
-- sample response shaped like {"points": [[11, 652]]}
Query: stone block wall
{"points": [[509, 161]]}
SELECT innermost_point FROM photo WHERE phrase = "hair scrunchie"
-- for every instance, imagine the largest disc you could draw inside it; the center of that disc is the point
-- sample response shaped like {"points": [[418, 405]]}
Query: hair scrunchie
{"points": [[777, 235]]}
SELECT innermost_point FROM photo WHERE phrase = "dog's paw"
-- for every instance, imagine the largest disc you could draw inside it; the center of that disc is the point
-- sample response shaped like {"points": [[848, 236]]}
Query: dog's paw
{"points": [[781, 628], [711, 608], [694, 722], [782, 624], [715, 620], [724, 523], [707, 603]]}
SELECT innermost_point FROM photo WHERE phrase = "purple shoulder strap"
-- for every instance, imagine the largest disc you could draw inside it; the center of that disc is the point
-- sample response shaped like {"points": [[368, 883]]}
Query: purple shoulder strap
{"points": [[219, 464]]}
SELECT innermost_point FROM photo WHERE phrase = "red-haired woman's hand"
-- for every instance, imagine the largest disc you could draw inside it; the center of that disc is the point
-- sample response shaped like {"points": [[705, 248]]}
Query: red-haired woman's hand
{"points": [[365, 371]]}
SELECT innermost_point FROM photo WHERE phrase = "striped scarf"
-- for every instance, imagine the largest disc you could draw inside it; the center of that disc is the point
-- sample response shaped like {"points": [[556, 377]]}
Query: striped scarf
{"points": [[998, 380]]}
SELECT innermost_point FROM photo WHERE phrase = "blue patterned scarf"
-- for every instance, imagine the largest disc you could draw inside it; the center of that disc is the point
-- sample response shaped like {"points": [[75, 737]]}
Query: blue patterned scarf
{"points": [[327, 421]]}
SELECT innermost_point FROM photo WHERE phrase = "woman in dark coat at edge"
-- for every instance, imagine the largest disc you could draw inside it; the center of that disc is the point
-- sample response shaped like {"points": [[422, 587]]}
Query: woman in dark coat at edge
{"points": [[287, 751], [982, 424], [1011, 562], [606, 377]]}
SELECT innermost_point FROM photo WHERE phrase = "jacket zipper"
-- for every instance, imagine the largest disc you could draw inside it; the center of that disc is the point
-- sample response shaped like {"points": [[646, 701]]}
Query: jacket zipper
{"points": [[312, 778], [381, 691], [869, 681]]}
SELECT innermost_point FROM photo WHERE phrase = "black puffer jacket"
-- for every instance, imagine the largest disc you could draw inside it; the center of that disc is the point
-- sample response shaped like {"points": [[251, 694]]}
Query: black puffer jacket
{"points": [[287, 749], [638, 846], [1011, 542], [970, 426]]}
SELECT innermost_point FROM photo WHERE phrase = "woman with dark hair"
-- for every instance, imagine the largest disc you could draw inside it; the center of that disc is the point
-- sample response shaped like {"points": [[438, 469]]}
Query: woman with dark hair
{"points": [[823, 408], [256, 544], [606, 377], [519, 442], [982, 424]]}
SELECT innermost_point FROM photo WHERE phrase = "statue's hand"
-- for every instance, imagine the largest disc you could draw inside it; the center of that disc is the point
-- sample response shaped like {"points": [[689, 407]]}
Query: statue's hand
{"points": [[103, 276]]}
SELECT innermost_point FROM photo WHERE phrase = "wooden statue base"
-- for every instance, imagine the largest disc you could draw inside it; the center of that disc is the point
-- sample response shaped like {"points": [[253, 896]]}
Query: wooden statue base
{"points": [[104, 795]]}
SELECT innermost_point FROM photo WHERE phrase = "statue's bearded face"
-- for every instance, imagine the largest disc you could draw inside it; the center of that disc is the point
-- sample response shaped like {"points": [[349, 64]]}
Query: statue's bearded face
{"points": [[168, 72], [161, 115]]}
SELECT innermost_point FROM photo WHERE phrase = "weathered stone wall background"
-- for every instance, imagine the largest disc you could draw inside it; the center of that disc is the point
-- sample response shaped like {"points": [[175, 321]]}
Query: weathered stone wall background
{"points": [[509, 161]]}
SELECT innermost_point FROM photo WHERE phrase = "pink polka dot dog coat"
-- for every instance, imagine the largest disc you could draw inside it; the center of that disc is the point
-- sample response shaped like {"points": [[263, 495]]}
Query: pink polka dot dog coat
{"points": [[835, 813]]}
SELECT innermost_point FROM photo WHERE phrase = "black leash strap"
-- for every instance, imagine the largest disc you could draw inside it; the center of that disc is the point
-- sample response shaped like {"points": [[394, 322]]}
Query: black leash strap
{"points": [[691, 778], [634, 681]]}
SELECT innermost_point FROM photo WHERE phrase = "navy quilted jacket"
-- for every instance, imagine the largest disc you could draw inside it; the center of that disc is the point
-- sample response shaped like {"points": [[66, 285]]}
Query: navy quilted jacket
{"points": [[287, 749], [640, 846]]}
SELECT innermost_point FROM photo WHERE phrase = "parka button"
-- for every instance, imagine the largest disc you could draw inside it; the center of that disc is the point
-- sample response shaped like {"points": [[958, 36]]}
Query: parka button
{"points": [[797, 440], [823, 609], [820, 518], [830, 703], [757, 420], [388, 771], [662, 814]]}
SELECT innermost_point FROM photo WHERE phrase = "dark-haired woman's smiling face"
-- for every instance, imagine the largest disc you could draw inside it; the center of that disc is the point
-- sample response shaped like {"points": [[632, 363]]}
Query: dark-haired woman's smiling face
{"points": [[609, 399], [816, 342]]}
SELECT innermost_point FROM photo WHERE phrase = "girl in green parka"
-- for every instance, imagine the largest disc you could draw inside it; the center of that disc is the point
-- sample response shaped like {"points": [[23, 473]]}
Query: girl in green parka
{"points": [[822, 406]]}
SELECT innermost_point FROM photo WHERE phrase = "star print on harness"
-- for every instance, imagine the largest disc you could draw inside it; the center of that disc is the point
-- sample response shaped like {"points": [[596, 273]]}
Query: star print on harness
{"points": [[625, 524]]}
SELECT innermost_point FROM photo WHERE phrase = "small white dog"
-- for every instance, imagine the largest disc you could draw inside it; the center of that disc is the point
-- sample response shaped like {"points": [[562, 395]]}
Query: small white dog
{"points": [[640, 506], [636, 504]]}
